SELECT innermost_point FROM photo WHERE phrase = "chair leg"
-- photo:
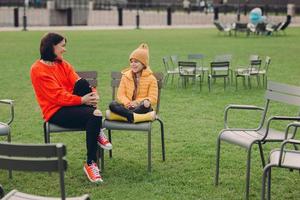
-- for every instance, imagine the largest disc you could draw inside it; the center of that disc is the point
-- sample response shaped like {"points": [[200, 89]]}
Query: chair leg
{"points": [[249, 82], [236, 83], [264, 177], [2, 193], [244, 81], [269, 184], [224, 83], [149, 151], [248, 173], [218, 161], [9, 140], [166, 79], [110, 140], [258, 80], [100, 156], [46, 133], [162, 132], [263, 162], [209, 84]]}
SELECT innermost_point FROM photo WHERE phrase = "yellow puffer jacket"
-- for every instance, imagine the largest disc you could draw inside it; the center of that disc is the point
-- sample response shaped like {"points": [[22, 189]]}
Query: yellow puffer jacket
{"points": [[147, 87]]}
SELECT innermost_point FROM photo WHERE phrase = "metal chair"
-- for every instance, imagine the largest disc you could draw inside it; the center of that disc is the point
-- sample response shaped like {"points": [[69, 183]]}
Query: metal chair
{"points": [[169, 71], [199, 59], [247, 137], [219, 70], [188, 70], [247, 72], [5, 126], [281, 158], [264, 72], [222, 28], [144, 126], [35, 158], [91, 77]]}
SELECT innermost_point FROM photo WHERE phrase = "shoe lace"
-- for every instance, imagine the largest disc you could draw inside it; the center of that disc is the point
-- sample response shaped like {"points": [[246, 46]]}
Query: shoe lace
{"points": [[102, 135], [95, 170]]}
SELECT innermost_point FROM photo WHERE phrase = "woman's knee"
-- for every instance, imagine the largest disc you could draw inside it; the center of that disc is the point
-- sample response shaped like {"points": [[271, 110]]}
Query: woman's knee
{"points": [[82, 87], [97, 113], [113, 105]]}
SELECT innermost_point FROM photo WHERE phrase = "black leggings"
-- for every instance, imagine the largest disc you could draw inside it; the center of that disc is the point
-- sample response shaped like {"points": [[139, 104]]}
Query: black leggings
{"points": [[81, 116], [119, 109]]}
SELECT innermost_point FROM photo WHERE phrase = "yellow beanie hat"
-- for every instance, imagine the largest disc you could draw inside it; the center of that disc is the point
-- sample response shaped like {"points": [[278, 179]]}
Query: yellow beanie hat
{"points": [[141, 54]]}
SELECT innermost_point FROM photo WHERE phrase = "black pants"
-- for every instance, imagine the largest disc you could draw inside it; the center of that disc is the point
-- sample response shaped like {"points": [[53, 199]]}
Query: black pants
{"points": [[119, 109], [81, 117]]}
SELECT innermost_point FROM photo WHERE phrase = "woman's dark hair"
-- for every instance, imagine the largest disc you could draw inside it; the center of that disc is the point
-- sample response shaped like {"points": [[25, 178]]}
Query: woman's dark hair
{"points": [[47, 46]]}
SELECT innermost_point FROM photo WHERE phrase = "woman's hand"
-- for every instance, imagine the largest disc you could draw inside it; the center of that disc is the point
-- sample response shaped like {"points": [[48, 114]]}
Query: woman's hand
{"points": [[147, 103], [132, 105], [90, 99]]}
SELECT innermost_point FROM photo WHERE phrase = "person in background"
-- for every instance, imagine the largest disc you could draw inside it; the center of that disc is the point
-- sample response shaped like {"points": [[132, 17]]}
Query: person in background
{"points": [[68, 100], [137, 92]]}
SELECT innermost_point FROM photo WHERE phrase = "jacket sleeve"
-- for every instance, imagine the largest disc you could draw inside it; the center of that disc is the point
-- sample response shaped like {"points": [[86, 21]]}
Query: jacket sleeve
{"points": [[72, 75], [153, 91], [121, 95], [47, 88]]}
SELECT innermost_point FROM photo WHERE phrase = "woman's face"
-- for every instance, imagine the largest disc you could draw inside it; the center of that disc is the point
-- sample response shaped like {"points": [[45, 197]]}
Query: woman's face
{"points": [[136, 66], [59, 49]]}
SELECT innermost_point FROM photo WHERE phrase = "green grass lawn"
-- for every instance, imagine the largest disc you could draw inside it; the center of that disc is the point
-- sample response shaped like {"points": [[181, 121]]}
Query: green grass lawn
{"points": [[192, 119]]}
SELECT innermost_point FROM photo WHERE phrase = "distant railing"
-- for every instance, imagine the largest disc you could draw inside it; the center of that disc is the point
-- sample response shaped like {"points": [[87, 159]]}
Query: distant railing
{"points": [[242, 8]]}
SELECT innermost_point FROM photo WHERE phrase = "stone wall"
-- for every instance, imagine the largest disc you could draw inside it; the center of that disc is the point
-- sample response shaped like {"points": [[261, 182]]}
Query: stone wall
{"points": [[49, 17]]}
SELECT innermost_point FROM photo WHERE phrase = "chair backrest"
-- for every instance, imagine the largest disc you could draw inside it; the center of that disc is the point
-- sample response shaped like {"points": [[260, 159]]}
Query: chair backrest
{"points": [[90, 76], [240, 26], [166, 64], [219, 26], [278, 26], [219, 69], [283, 93], [267, 63], [35, 157], [222, 58], [197, 58], [260, 27], [187, 68], [116, 79], [174, 61], [286, 23], [280, 92], [255, 65]]}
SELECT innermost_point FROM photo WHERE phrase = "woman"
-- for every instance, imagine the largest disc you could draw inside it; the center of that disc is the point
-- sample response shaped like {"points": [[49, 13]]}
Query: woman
{"points": [[137, 92], [67, 100]]}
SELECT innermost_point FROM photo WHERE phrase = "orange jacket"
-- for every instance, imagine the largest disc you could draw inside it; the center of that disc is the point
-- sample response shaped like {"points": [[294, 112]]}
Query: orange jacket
{"points": [[53, 86], [147, 87]]}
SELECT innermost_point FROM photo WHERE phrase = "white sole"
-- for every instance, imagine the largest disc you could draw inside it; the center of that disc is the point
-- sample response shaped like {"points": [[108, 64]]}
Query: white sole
{"points": [[104, 147]]}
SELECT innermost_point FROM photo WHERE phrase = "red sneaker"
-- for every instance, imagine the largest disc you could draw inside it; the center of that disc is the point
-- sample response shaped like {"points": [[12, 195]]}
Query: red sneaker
{"points": [[103, 141], [92, 172]]}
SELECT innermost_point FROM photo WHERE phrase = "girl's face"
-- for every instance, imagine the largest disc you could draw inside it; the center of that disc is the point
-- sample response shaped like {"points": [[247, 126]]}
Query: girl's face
{"points": [[59, 49], [136, 66]]}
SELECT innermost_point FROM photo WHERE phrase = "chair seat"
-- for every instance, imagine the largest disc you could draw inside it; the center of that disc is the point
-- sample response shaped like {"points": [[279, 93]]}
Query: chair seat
{"points": [[241, 138], [262, 71], [118, 125], [290, 159], [246, 138], [242, 71], [16, 195], [56, 128], [202, 69], [4, 129]]}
